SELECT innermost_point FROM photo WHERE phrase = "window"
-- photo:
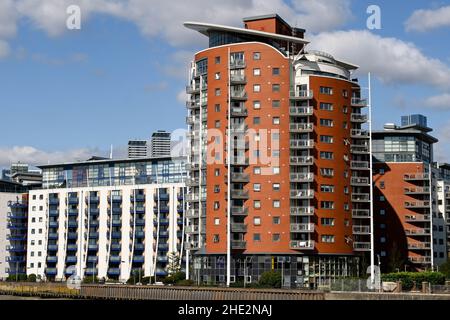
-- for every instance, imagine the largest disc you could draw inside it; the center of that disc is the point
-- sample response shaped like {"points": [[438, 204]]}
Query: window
{"points": [[344, 125], [276, 170], [216, 221], [256, 55], [382, 186], [382, 198], [216, 188], [256, 170], [41, 197], [257, 221], [33, 231], [217, 123], [217, 75], [326, 90], [346, 207], [256, 72], [326, 139], [381, 171], [276, 187], [34, 197], [326, 122], [217, 108], [382, 226], [256, 120], [257, 237], [32, 242], [257, 204], [216, 238], [382, 212], [39, 242], [41, 208], [326, 106], [217, 172], [382, 239], [276, 220], [327, 238], [276, 237], [276, 71], [327, 188], [276, 203], [327, 172], [344, 109], [256, 104], [217, 60], [327, 221], [257, 187], [256, 88], [33, 219], [275, 103], [345, 93], [275, 136], [216, 205], [275, 87], [327, 204], [326, 155], [276, 120], [217, 92]]}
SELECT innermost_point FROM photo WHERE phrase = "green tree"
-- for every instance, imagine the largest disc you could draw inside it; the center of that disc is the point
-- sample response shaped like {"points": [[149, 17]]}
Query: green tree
{"points": [[445, 269], [270, 279], [173, 265]]}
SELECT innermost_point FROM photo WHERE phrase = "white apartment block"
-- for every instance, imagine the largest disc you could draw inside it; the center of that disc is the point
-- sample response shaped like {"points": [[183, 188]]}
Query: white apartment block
{"points": [[109, 226]]}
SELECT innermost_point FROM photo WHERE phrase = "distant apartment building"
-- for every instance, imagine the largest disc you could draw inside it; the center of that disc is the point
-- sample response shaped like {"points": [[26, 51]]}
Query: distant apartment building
{"points": [[107, 219], [21, 173], [409, 221], [160, 144], [13, 229], [138, 149], [444, 202], [278, 161]]}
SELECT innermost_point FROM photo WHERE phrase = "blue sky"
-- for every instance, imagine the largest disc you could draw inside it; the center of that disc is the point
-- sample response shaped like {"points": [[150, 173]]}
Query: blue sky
{"points": [[67, 94]]}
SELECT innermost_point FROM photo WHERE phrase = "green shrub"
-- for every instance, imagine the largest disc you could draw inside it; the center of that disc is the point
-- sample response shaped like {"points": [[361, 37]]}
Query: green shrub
{"points": [[146, 280], [32, 278], [174, 278], [185, 283], [408, 278], [270, 279], [445, 269]]}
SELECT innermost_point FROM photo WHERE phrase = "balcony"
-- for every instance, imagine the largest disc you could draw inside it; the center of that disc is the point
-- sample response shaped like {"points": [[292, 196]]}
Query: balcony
{"points": [[417, 190], [52, 236], [52, 259], [53, 224], [72, 200], [53, 213], [72, 247], [238, 227], [239, 194], [72, 235], [359, 148], [238, 161], [17, 259], [92, 247], [237, 112], [301, 177], [50, 271], [238, 95], [302, 143], [115, 199], [238, 79], [358, 102], [239, 211], [192, 245], [302, 227], [360, 213], [420, 176], [360, 197], [72, 212], [359, 134], [359, 165], [91, 271], [53, 201], [302, 211], [93, 199], [301, 94], [72, 224], [301, 111], [301, 160], [71, 259], [138, 259], [238, 244], [417, 232], [361, 229], [360, 181], [417, 218], [357, 117], [419, 245], [302, 244], [301, 127], [191, 229], [52, 247], [20, 248], [162, 259], [190, 89], [419, 260], [302, 194], [417, 204], [237, 64], [361, 246], [114, 271]]}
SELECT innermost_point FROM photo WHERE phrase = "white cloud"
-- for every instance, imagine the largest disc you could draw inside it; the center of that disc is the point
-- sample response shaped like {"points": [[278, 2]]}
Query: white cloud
{"points": [[425, 20], [4, 49], [441, 101], [442, 149], [34, 156], [182, 96], [392, 60]]}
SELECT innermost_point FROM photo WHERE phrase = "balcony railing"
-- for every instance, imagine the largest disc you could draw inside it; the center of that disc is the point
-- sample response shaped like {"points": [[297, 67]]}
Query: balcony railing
{"points": [[302, 143], [239, 194], [239, 111], [302, 227], [302, 244], [359, 149], [419, 245], [302, 177], [417, 218], [417, 232], [416, 176], [238, 227], [301, 94], [417, 204], [301, 160], [238, 78], [238, 95], [361, 229], [301, 127], [357, 117], [421, 260], [239, 211], [302, 211], [302, 194], [361, 246], [359, 165], [237, 64], [358, 133], [360, 213], [301, 111], [360, 197], [239, 245], [358, 102], [359, 181]]}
